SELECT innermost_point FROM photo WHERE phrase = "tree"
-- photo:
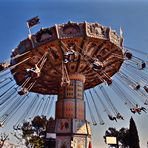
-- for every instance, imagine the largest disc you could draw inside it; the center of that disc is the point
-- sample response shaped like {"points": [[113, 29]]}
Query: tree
{"points": [[34, 132], [133, 135], [111, 132], [122, 135], [3, 138]]}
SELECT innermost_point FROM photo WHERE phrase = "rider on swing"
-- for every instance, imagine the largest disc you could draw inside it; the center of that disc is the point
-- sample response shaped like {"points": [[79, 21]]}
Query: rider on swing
{"points": [[71, 55], [112, 118], [4, 66], [34, 72], [119, 116], [146, 88], [97, 65], [22, 91], [137, 109]]}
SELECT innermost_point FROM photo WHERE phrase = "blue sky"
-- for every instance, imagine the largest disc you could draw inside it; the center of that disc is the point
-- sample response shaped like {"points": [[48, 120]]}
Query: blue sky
{"points": [[131, 15]]}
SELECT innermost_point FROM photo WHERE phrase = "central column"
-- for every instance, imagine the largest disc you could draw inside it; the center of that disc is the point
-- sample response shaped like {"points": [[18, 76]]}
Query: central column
{"points": [[72, 129]]}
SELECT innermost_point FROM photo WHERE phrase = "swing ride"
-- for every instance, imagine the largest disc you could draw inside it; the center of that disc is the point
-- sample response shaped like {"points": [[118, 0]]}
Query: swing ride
{"points": [[64, 61]]}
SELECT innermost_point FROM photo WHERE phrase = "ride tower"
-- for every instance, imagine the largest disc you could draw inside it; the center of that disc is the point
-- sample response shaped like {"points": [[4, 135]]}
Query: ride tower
{"points": [[72, 128]]}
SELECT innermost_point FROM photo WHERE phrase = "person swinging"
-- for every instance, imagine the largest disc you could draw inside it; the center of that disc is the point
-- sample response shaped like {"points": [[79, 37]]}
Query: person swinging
{"points": [[97, 65], [146, 88], [71, 55], [3, 66], [22, 91], [137, 109], [112, 118], [34, 72], [119, 116]]}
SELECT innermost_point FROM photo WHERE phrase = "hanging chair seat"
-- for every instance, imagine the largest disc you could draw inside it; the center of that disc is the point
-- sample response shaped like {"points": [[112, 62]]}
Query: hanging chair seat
{"points": [[34, 72], [22, 91], [97, 66], [128, 55], [146, 88]]}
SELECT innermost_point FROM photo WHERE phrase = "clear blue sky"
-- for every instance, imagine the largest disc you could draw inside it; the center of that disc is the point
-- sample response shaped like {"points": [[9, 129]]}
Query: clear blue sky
{"points": [[131, 15]]}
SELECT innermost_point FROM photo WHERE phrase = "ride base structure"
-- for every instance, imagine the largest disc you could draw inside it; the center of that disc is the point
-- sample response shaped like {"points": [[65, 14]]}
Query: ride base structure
{"points": [[72, 129]]}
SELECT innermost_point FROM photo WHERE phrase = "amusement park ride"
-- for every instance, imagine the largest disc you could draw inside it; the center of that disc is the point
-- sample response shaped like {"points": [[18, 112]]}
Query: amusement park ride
{"points": [[69, 60]]}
